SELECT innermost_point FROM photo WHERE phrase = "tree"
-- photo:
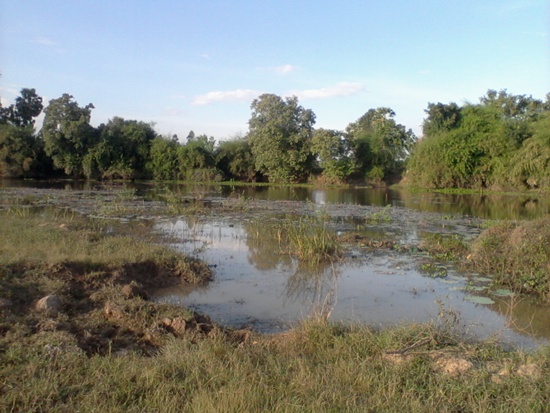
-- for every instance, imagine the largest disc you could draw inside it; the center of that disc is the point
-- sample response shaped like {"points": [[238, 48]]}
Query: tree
{"points": [[68, 134], [235, 160], [441, 117], [122, 151], [196, 160], [530, 165], [280, 133], [22, 113], [20, 152], [333, 152], [163, 159], [380, 145], [496, 143]]}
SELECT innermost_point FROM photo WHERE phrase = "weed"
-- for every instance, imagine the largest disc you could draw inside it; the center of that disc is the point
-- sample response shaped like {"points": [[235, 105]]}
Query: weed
{"points": [[379, 217], [309, 239], [444, 248], [516, 255], [433, 270]]}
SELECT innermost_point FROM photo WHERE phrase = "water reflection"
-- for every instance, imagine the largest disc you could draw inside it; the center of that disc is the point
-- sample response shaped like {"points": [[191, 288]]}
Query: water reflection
{"points": [[258, 286], [476, 205], [317, 285]]}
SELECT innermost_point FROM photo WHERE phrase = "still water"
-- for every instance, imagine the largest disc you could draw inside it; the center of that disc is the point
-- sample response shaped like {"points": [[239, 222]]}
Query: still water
{"points": [[258, 287]]}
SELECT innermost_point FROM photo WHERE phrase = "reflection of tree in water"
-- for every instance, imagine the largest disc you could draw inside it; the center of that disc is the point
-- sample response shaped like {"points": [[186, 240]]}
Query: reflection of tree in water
{"points": [[492, 206], [524, 315], [317, 285], [262, 241]]}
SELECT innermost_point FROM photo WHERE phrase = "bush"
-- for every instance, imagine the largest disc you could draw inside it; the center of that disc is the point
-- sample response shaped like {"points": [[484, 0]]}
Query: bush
{"points": [[517, 255]]}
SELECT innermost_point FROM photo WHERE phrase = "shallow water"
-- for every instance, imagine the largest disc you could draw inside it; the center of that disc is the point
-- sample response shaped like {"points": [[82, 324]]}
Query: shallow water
{"points": [[256, 286]]}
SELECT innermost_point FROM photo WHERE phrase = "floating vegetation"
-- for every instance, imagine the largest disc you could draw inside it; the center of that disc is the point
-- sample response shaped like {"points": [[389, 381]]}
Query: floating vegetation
{"points": [[503, 293], [479, 300], [433, 270]]}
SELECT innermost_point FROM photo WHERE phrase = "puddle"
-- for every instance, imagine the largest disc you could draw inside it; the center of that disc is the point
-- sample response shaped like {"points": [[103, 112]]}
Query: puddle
{"points": [[257, 287]]}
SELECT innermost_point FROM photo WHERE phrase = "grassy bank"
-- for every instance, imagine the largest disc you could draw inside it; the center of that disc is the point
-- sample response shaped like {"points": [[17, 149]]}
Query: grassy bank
{"points": [[107, 348], [516, 255]]}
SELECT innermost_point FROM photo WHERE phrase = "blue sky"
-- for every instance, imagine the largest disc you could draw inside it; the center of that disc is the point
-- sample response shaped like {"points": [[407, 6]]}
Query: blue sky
{"points": [[197, 65]]}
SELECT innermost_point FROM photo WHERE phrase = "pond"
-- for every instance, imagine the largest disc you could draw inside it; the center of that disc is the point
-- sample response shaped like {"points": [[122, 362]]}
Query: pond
{"points": [[257, 286]]}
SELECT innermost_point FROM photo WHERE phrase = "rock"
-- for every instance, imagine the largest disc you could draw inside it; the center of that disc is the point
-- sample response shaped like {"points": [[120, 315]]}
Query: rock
{"points": [[177, 325], [133, 290], [500, 376], [531, 371], [453, 366], [50, 304]]}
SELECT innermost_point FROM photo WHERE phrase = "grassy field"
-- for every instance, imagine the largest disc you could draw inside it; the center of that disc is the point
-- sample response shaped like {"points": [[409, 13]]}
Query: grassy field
{"points": [[107, 348]]}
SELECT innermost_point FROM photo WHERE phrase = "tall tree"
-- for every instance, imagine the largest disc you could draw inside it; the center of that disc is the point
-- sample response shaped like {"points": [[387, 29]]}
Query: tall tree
{"points": [[496, 143], [280, 133], [380, 144], [163, 160], [22, 113], [68, 134], [441, 118], [122, 151], [333, 151], [235, 160]]}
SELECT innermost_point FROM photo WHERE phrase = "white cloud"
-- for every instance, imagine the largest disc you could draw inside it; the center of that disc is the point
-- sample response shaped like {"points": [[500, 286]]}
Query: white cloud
{"points": [[44, 41], [340, 89], [221, 96], [285, 69]]}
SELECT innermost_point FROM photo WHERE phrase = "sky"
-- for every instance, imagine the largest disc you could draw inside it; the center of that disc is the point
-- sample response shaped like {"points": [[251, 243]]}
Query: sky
{"points": [[198, 64]]}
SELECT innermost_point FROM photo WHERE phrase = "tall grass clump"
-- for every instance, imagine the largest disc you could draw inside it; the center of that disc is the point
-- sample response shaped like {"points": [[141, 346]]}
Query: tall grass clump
{"points": [[309, 239], [517, 255]]}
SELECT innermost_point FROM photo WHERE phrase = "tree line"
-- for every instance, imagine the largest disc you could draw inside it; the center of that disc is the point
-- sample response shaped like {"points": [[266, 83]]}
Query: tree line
{"points": [[504, 140]]}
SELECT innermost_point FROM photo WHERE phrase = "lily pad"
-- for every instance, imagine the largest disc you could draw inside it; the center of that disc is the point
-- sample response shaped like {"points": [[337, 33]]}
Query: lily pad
{"points": [[457, 288], [451, 281], [475, 288], [484, 279], [479, 300], [502, 293]]}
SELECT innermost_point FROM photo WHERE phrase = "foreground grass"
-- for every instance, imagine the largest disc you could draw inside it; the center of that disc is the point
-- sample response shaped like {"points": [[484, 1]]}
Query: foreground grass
{"points": [[108, 350], [317, 367]]}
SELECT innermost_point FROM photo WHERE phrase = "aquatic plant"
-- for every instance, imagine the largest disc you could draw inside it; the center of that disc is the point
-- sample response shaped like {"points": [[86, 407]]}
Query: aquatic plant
{"points": [[309, 239], [382, 216], [517, 255]]}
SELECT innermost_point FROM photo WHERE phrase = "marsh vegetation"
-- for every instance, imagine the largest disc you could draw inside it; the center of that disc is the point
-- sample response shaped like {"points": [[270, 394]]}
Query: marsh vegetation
{"points": [[108, 346]]}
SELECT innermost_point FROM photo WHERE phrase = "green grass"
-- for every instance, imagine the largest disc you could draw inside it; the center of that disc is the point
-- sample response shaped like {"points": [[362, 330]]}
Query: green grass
{"points": [[109, 352], [306, 238], [517, 255], [318, 367]]}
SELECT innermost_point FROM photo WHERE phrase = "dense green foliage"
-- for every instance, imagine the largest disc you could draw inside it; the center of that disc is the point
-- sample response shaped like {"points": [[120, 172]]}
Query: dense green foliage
{"points": [[500, 143], [503, 142], [67, 134], [380, 144], [280, 134]]}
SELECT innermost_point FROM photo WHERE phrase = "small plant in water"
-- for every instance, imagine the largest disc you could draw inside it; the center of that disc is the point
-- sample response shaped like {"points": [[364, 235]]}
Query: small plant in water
{"points": [[433, 270], [382, 216]]}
